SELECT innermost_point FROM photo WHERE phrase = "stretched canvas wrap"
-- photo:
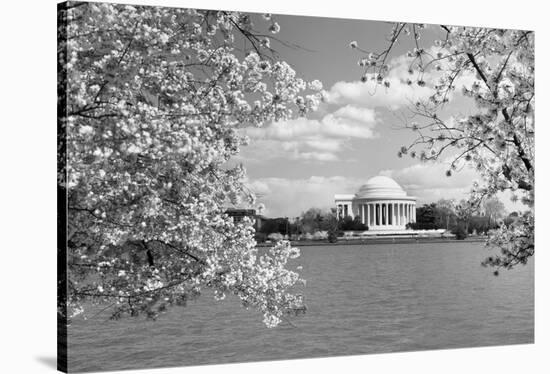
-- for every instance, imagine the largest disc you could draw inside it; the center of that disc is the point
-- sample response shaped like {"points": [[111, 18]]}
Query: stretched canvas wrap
{"points": [[237, 187]]}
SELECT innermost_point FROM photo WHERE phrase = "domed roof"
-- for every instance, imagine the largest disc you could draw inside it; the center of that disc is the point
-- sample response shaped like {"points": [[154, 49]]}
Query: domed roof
{"points": [[380, 187]]}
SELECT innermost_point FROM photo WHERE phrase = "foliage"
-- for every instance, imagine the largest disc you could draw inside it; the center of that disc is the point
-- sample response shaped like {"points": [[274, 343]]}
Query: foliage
{"points": [[332, 236], [497, 136], [446, 209], [277, 225], [351, 224], [320, 235], [444, 215], [426, 217], [494, 209], [152, 100], [460, 231], [315, 219]]}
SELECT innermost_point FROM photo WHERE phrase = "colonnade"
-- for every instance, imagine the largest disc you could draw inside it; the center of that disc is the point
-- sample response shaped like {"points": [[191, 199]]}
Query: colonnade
{"points": [[387, 213], [344, 210], [381, 214]]}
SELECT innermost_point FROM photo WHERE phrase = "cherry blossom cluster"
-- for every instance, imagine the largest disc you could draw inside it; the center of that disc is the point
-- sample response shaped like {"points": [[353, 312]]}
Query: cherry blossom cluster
{"points": [[154, 98], [493, 68]]}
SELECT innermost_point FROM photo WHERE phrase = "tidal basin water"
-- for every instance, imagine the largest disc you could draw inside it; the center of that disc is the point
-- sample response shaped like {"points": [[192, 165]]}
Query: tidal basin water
{"points": [[361, 299]]}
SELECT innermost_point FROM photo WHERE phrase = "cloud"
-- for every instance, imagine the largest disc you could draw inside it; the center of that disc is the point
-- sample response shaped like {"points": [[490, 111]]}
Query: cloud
{"points": [[346, 122], [311, 139], [399, 94], [429, 183], [371, 95], [285, 197]]}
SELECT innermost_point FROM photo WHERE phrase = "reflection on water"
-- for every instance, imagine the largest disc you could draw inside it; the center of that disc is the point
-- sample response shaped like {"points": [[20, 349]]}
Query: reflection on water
{"points": [[361, 299]]}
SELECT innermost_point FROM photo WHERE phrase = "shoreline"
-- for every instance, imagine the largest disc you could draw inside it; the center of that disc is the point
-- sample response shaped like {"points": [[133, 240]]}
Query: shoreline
{"points": [[364, 241]]}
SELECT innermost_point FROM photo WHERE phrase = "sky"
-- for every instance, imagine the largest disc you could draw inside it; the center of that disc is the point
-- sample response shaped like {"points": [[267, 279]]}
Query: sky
{"points": [[301, 163]]}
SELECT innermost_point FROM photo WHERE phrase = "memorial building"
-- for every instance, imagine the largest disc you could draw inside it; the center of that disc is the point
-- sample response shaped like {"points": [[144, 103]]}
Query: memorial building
{"points": [[381, 204]]}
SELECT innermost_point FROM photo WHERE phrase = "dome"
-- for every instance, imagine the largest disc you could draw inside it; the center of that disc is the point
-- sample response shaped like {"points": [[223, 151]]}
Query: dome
{"points": [[380, 187]]}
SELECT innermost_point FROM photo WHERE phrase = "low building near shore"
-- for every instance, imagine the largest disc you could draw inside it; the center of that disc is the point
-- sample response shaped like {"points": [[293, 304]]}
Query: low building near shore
{"points": [[238, 214]]}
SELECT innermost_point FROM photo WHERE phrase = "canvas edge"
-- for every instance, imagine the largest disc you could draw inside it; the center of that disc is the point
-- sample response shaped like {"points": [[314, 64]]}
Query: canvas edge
{"points": [[62, 352]]}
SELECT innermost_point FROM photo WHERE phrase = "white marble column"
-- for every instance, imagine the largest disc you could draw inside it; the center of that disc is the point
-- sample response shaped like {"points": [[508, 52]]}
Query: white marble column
{"points": [[368, 215], [398, 214], [396, 205]]}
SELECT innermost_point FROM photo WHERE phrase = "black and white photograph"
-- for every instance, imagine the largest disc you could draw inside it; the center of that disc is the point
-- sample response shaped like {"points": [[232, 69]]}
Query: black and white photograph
{"points": [[242, 185], [237, 187]]}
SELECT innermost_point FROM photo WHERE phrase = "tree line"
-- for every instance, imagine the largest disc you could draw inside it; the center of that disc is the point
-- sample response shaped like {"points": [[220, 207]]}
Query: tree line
{"points": [[459, 218]]}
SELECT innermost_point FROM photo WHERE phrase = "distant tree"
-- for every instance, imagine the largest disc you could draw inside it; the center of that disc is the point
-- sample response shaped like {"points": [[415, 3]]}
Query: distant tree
{"points": [[279, 225], [446, 208], [310, 220], [465, 210], [496, 137], [479, 224], [426, 217], [316, 219], [494, 209], [331, 226], [460, 231], [351, 224], [332, 236]]}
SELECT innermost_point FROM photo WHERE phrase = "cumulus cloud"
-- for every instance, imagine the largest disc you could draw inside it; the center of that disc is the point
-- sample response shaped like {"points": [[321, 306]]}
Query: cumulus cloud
{"points": [[429, 183], [346, 122], [400, 93], [285, 197], [311, 139], [290, 197], [426, 181]]}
